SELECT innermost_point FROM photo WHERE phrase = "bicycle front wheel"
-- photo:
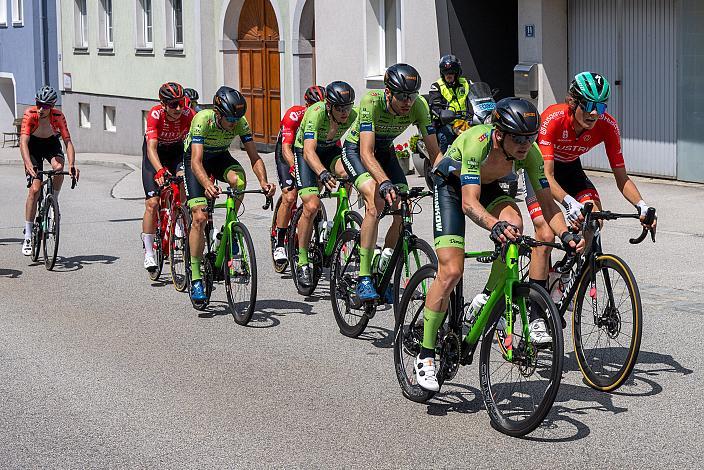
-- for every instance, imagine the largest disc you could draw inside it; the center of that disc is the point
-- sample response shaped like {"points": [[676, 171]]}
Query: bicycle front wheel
{"points": [[158, 257], [420, 253], [519, 391], [349, 314], [177, 251], [315, 257], [240, 269], [607, 323], [50, 232]]}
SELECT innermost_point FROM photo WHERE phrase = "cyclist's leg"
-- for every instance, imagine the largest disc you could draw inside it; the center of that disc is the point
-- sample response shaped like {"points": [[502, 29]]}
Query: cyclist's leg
{"points": [[389, 162], [37, 158], [571, 177], [307, 183], [151, 204], [197, 203], [540, 256], [289, 193], [503, 207], [227, 169], [56, 160]]}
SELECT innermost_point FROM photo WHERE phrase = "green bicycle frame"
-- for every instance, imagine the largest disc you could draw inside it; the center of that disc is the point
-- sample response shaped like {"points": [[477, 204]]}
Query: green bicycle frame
{"points": [[343, 207], [230, 220], [505, 285]]}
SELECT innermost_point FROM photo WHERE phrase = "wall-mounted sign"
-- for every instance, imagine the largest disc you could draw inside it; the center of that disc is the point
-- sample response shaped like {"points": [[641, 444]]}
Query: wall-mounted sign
{"points": [[530, 30], [67, 81]]}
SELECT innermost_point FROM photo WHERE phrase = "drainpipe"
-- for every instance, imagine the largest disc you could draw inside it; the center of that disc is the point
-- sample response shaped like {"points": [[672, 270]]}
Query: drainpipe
{"points": [[44, 37]]}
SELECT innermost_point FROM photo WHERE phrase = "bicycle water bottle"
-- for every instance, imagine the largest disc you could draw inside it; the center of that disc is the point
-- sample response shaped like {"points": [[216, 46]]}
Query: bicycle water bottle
{"points": [[384, 260], [324, 227]]}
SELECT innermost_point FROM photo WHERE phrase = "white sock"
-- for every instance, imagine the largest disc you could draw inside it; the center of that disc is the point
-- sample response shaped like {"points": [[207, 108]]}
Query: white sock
{"points": [[148, 239], [56, 194], [28, 230]]}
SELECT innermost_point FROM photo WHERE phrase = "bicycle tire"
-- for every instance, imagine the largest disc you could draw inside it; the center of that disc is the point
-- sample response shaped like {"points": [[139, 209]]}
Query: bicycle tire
{"points": [[343, 284], [242, 269], [280, 268], [51, 220], [158, 257], [408, 335], [37, 235], [415, 245], [502, 415], [428, 174], [177, 249], [353, 220], [315, 254], [613, 324]]}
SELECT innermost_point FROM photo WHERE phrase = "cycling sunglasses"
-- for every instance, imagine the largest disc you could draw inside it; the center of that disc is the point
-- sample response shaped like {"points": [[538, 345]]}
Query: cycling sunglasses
{"points": [[174, 104], [44, 105], [589, 106], [346, 108], [231, 119], [406, 96], [524, 139]]}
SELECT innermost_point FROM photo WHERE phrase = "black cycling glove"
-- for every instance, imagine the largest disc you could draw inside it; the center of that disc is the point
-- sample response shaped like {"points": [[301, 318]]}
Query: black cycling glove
{"points": [[385, 188], [568, 237], [325, 176], [498, 229]]}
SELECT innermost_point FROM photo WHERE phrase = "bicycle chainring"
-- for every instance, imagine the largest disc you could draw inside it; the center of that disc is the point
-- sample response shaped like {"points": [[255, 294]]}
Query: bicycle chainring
{"points": [[449, 355]]}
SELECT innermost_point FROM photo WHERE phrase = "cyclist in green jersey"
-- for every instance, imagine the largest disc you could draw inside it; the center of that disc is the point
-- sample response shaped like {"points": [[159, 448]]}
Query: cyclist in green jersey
{"points": [[482, 155], [318, 153], [206, 153], [369, 157]]}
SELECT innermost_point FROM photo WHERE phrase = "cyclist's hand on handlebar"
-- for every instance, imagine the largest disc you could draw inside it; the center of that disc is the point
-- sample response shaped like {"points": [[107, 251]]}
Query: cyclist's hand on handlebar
{"points": [[388, 192], [31, 171], [270, 188], [74, 172], [212, 191], [572, 242], [503, 231], [574, 211], [327, 179], [160, 176], [642, 210]]}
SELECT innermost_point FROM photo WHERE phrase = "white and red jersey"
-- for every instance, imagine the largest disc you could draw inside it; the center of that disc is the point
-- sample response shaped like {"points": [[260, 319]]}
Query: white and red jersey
{"points": [[558, 140], [290, 123], [166, 131]]}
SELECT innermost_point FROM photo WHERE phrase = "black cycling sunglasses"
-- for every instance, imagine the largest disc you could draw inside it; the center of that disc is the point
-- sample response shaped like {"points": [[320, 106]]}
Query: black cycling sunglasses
{"points": [[44, 105], [524, 139], [174, 104], [344, 108], [402, 96]]}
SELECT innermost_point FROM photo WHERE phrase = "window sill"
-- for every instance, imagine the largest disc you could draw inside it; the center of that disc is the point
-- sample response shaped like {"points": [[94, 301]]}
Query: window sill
{"points": [[107, 50], [3, 25], [174, 51], [112, 131], [149, 51], [83, 50], [18, 24]]}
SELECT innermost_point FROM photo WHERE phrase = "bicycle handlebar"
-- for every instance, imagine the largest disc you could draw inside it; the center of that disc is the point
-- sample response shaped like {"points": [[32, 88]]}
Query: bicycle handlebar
{"points": [[74, 181], [589, 214], [521, 241], [416, 192], [268, 204]]}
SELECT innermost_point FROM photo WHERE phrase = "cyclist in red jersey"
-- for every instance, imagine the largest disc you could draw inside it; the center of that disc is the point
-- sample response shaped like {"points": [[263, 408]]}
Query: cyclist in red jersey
{"points": [[39, 140], [162, 155], [568, 131], [284, 159]]}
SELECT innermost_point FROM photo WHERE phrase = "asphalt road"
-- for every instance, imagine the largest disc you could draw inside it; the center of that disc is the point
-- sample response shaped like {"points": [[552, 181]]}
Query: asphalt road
{"points": [[99, 367]]}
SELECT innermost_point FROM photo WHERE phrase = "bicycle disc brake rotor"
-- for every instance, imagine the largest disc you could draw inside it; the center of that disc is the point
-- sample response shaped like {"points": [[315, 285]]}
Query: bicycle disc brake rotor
{"points": [[610, 321], [450, 355], [412, 339]]}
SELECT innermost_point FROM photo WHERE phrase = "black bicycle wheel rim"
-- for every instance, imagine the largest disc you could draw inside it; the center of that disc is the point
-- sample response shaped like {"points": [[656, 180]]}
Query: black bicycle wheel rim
{"points": [[400, 278], [314, 253], [608, 364], [37, 236], [343, 281], [408, 335], [177, 250], [353, 220], [50, 234], [158, 257], [240, 275], [510, 411]]}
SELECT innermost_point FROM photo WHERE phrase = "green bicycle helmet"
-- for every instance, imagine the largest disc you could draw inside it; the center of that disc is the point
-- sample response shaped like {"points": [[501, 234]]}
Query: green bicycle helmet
{"points": [[590, 86]]}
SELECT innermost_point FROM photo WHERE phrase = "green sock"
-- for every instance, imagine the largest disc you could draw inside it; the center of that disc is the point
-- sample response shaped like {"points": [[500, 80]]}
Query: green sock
{"points": [[498, 270], [365, 261], [432, 321], [302, 256], [195, 269]]}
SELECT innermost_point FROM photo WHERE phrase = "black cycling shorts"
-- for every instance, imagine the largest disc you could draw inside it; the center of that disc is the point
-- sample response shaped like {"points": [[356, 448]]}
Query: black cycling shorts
{"points": [[448, 217], [217, 165], [306, 179], [283, 169], [41, 149], [386, 156], [171, 158]]}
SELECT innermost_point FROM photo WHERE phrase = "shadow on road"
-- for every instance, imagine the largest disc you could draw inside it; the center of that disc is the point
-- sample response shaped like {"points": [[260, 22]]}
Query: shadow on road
{"points": [[76, 263], [10, 241], [11, 273], [266, 313], [134, 219], [378, 336], [460, 399]]}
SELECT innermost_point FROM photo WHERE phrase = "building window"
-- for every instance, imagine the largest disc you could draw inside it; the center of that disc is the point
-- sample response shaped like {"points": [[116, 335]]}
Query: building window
{"points": [[109, 118], [144, 24], [174, 24], [18, 12], [383, 35], [80, 25], [3, 13], [105, 15], [84, 115]]}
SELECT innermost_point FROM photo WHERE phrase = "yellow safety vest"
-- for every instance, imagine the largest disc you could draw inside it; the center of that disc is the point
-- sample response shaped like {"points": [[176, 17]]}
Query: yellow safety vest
{"points": [[455, 97]]}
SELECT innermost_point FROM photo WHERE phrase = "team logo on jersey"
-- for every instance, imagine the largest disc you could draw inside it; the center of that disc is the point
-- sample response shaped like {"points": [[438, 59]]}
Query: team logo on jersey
{"points": [[565, 134], [587, 138], [155, 114], [483, 137], [293, 116]]}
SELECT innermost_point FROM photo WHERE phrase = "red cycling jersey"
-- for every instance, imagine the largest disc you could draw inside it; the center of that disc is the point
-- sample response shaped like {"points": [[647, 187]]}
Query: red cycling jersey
{"points": [[558, 140], [290, 123], [166, 131], [30, 122]]}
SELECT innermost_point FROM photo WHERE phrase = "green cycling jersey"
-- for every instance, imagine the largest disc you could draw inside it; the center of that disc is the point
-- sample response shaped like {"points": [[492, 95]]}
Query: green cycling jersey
{"points": [[316, 125], [205, 131], [374, 116]]}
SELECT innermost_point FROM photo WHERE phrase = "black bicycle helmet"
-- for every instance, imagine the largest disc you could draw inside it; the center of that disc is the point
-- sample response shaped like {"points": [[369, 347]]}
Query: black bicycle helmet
{"points": [[450, 64], [46, 95], [191, 94], [229, 102], [339, 94], [402, 78], [314, 94], [516, 116], [170, 91]]}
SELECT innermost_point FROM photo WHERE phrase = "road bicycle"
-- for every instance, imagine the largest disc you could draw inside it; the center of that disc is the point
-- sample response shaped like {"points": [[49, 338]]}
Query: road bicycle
{"points": [[229, 256], [409, 254], [47, 221], [518, 379], [324, 235]]}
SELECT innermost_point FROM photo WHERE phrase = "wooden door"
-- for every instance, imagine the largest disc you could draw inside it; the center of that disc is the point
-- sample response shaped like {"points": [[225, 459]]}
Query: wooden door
{"points": [[258, 49]]}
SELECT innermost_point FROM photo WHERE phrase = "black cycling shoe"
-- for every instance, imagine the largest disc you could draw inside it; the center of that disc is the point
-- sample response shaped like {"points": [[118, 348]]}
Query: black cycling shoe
{"points": [[305, 276]]}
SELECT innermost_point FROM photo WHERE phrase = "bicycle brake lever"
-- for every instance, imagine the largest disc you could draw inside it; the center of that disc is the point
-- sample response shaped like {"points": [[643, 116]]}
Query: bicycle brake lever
{"points": [[269, 203]]}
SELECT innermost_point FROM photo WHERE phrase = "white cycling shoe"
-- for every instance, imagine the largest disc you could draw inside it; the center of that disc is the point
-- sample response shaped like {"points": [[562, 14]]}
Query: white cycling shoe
{"points": [[149, 263], [280, 254], [539, 332], [27, 247], [425, 374]]}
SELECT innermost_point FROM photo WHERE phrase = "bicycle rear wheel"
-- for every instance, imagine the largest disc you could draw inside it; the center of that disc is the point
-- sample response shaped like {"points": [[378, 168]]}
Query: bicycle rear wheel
{"points": [[607, 324], [420, 253], [50, 232], [37, 236], [315, 255], [177, 251], [519, 393], [408, 334], [240, 269], [351, 318], [158, 256], [278, 267]]}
